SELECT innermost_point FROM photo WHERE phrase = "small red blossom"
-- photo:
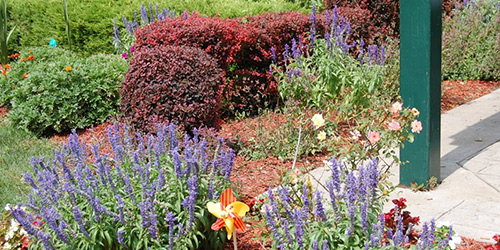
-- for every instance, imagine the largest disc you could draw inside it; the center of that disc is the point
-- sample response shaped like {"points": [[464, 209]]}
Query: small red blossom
{"points": [[25, 75], [31, 57]]}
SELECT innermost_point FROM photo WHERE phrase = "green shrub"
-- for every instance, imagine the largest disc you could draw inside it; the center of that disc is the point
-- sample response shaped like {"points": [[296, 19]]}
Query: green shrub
{"points": [[178, 84], [62, 91], [470, 42], [92, 21]]}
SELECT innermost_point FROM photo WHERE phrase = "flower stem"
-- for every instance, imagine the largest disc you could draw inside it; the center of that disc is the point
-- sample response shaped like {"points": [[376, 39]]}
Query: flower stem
{"points": [[235, 244], [297, 149]]}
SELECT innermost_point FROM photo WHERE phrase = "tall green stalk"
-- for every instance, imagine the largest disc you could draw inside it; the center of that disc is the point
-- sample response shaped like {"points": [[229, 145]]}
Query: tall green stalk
{"points": [[4, 39], [66, 18]]}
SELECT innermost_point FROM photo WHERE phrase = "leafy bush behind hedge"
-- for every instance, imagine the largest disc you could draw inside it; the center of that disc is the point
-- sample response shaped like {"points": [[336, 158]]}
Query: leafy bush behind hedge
{"points": [[92, 21], [470, 41], [45, 95]]}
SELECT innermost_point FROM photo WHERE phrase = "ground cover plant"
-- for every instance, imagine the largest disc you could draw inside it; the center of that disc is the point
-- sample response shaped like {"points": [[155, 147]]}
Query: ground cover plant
{"points": [[52, 89]]}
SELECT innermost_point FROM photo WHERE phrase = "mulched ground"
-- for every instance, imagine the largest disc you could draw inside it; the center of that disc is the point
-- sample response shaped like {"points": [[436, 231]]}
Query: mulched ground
{"points": [[254, 177]]}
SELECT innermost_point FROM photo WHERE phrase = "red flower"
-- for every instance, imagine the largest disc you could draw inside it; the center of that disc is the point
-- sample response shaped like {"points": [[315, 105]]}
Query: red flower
{"points": [[30, 57], [495, 237], [25, 75]]}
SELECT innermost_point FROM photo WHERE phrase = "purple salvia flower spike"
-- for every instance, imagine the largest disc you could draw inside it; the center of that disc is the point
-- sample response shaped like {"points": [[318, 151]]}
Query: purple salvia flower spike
{"points": [[45, 239], [77, 214], [319, 211]]}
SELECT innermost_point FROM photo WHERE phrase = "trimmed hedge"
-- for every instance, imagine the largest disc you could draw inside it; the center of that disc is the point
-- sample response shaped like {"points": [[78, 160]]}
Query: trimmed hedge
{"points": [[177, 84], [374, 20], [92, 21]]}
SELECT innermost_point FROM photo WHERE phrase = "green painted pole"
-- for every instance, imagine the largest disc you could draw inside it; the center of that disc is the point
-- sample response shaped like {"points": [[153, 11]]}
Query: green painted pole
{"points": [[421, 86]]}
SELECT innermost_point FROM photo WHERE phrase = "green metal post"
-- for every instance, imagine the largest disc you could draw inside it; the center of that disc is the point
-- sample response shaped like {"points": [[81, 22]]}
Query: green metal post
{"points": [[421, 86]]}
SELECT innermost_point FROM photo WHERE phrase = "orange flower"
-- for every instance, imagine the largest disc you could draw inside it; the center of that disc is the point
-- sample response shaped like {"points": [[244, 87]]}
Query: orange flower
{"points": [[7, 66], [14, 87], [30, 57], [68, 68], [25, 75], [4, 72], [29, 50], [23, 59], [14, 55]]}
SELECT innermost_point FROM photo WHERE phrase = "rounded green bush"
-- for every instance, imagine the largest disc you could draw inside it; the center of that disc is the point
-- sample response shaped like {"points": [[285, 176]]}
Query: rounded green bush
{"points": [[58, 91]]}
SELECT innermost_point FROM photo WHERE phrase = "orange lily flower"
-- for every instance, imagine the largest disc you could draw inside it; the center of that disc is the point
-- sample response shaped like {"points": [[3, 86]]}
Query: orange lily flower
{"points": [[228, 212]]}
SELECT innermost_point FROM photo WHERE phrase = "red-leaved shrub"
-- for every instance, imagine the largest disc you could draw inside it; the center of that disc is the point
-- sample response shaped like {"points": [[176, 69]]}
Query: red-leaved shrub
{"points": [[375, 19], [178, 84], [250, 86], [218, 37]]}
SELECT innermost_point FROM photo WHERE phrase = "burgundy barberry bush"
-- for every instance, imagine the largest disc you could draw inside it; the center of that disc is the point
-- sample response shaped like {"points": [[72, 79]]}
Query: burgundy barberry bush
{"points": [[218, 37], [178, 84], [374, 20]]}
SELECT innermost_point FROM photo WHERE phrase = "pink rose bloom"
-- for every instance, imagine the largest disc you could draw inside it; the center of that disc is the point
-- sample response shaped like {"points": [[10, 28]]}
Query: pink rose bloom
{"points": [[394, 125], [374, 136], [416, 126], [396, 107]]}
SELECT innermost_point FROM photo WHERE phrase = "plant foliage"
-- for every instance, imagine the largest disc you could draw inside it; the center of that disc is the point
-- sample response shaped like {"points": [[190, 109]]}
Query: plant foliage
{"points": [[177, 84], [51, 89]]}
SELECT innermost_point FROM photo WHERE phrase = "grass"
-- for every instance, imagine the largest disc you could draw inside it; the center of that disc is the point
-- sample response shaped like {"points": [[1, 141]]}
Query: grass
{"points": [[17, 147]]}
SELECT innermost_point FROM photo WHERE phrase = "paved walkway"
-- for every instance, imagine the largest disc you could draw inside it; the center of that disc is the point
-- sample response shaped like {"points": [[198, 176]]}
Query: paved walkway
{"points": [[469, 195]]}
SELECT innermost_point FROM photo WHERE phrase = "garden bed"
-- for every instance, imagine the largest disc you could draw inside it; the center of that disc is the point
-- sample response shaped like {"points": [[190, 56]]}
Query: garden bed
{"points": [[254, 177]]}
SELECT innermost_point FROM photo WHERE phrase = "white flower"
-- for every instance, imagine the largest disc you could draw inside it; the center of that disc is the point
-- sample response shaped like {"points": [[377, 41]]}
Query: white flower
{"points": [[7, 245], [355, 135], [14, 225], [455, 240], [321, 136], [7, 207], [318, 120], [22, 232], [9, 235], [443, 224]]}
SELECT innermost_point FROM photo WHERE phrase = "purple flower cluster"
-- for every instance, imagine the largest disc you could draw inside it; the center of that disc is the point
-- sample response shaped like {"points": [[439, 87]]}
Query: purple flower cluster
{"points": [[121, 188], [147, 17]]}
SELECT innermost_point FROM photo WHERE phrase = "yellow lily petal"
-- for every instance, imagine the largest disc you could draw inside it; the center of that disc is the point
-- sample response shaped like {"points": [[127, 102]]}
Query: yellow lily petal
{"points": [[214, 208], [229, 227], [240, 208]]}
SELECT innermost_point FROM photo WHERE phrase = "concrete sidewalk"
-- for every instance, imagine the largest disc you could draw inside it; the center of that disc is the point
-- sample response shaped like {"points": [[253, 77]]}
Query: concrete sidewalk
{"points": [[469, 195]]}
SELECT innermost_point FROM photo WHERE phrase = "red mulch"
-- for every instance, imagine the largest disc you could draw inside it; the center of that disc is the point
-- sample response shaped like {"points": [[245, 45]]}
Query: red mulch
{"points": [[254, 177]]}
